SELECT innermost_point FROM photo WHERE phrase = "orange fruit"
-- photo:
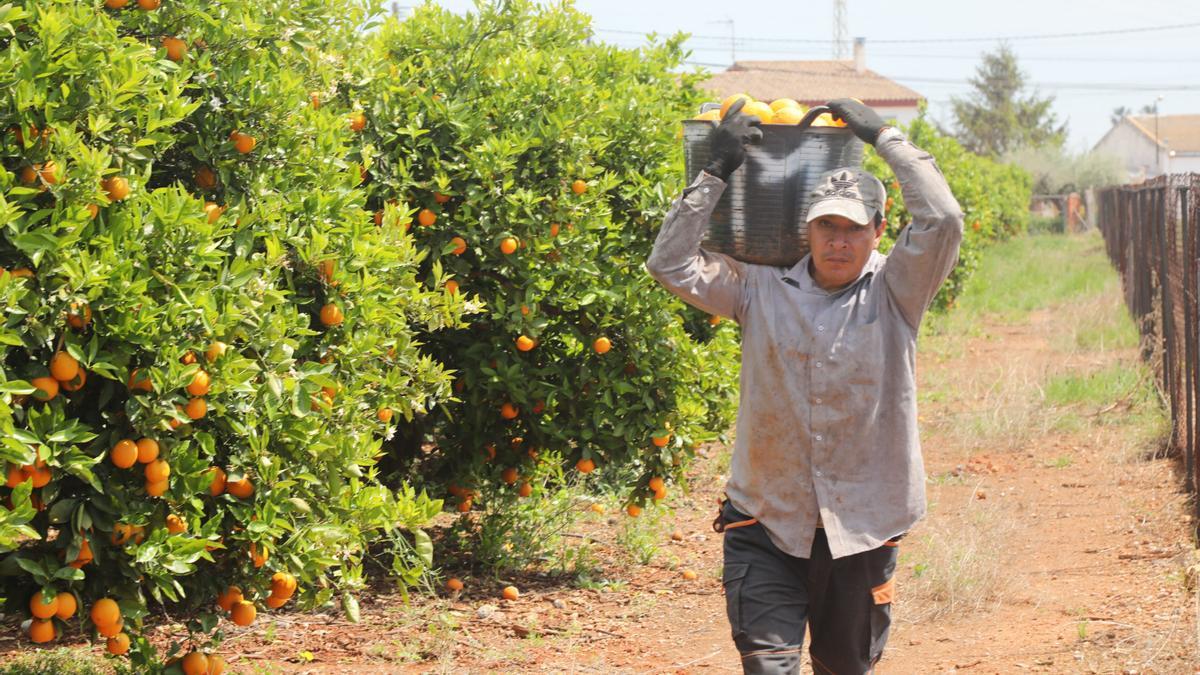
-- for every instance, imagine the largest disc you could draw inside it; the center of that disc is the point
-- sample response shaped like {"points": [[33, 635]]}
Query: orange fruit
{"points": [[710, 116], [460, 245], [29, 174], [121, 533], [188, 358], [325, 269], [176, 48], [124, 454], [656, 484], [358, 121], [241, 488], [509, 411], [214, 211], [633, 510], [63, 367], [384, 415], [781, 103], [661, 441], [314, 98], [147, 450], [50, 173], [579, 186], [730, 100], [85, 555], [196, 408], [157, 489], [206, 178], [243, 143], [585, 465], [118, 644], [508, 245], [509, 475], [525, 343], [464, 505], [215, 351], [216, 665], [275, 602], [690, 575], [67, 604], [200, 384], [175, 524], [440, 198], [41, 631], [597, 508], [40, 609], [105, 612], [243, 613], [148, 5], [111, 630], [510, 593], [139, 381], [195, 664], [217, 486], [157, 471], [117, 188], [454, 584], [426, 218], [79, 316], [16, 476], [554, 229], [47, 388], [525, 489], [259, 558], [760, 110], [76, 383], [93, 210], [283, 585], [452, 287], [660, 495], [227, 599], [602, 345], [331, 315], [41, 476], [787, 115], [714, 320], [115, 4]]}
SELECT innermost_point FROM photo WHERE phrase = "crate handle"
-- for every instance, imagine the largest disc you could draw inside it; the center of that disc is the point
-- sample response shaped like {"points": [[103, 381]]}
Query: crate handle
{"points": [[812, 115]]}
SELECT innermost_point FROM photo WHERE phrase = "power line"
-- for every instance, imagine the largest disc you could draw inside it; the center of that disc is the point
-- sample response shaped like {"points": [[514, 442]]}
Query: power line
{"points": [[1004, 38]]}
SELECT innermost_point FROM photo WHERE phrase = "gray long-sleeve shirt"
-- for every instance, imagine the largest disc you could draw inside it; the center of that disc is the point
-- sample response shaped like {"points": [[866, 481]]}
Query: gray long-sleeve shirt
{"points": [[827, 420]]}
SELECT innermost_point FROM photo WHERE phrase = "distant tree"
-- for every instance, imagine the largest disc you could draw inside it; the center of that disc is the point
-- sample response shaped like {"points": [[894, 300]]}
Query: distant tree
{"points": [[1119, 113], [999, 115], [1055, 170]]}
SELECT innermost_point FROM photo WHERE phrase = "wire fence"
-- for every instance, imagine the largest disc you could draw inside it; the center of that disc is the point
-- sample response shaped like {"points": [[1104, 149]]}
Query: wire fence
{"points": [[1150, 233]]}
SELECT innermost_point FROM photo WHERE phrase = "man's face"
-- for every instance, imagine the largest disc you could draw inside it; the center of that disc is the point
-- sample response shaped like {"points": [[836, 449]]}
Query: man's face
{"points": [[840, 249]]}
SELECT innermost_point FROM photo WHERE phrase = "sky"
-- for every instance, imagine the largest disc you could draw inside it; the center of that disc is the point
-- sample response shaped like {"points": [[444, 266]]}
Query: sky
{"points": [[1088, 76]]}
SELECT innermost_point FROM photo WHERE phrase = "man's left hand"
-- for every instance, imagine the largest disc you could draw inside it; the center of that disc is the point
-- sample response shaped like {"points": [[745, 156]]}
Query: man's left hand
{"points": [[864, 122]]}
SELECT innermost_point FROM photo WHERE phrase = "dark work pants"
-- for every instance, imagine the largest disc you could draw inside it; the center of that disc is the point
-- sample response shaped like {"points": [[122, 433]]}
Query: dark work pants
{"points": [[770, 596]]}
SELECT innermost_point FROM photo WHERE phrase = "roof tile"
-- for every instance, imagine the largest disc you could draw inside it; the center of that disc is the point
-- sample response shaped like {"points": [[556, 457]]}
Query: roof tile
{"points": [[809, 82]]}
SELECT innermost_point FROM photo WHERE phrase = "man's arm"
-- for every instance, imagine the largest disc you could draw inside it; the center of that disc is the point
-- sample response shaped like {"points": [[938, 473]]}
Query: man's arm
{"points": [[713, 282], [927, 250]]}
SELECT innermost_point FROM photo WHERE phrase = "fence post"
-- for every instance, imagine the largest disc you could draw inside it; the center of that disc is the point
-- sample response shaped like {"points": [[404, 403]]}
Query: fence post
{"points": [[1189, 334]]}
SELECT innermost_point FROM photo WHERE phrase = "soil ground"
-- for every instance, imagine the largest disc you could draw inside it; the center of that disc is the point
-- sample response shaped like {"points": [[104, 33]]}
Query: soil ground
{"points": [[1058, 540]]}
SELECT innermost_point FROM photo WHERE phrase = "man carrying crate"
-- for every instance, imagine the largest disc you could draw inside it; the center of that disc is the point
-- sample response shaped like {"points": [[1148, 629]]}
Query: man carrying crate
{"points": [[826, 473]]}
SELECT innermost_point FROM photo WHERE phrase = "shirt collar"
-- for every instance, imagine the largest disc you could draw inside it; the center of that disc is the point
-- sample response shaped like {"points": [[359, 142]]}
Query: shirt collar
{"points": [[800, 277]]}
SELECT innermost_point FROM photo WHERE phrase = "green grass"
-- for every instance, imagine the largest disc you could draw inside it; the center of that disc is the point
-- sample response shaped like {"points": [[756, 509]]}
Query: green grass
{"points": [[1029, 273], [1099, 388], [61, 661]]}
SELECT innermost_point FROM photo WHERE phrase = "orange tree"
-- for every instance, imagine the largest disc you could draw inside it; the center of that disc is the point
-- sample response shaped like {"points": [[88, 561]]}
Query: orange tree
{"points": [[205, 338], [535, 169], [994, 198]]}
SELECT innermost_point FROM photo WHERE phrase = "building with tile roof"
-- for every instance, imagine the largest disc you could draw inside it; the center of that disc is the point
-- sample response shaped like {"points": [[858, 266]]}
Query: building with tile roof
{"points": [[816, 82], [1150, 146]]}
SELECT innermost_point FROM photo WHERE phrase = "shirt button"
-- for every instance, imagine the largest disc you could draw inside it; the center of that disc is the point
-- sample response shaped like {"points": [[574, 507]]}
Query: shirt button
{"points": [[818, 473], [818, 364], [818, 400], [821, 327], [705, 190], [819, 437]]}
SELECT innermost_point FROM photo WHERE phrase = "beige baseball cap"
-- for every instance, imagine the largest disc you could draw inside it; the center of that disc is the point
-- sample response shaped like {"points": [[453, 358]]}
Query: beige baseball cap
{"points": [[847, 192]]}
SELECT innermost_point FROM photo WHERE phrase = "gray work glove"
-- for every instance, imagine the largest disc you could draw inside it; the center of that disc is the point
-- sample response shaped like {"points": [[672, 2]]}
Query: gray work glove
{"points": [[729, 141], [864, 122]]}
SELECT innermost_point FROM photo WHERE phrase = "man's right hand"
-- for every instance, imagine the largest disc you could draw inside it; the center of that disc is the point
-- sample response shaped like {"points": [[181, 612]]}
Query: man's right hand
{"points": [[730, 139]]}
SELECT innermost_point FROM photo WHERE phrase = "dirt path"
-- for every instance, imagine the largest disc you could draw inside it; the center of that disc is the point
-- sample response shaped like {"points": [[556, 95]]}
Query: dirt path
{"points": [[1056, 542]]}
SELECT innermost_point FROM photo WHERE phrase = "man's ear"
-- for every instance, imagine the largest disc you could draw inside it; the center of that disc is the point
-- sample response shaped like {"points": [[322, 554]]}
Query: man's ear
{"points": [[880, 230]]}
